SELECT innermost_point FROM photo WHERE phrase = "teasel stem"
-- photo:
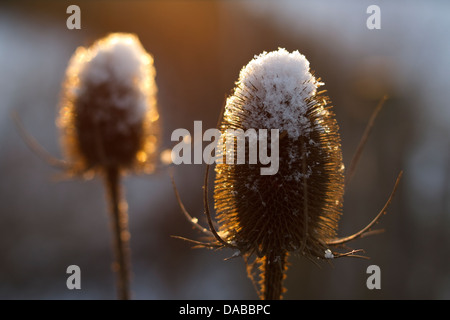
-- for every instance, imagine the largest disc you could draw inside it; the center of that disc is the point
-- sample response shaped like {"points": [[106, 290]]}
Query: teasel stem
{"points": [[363, 141], [273, 269], [119, 215]]}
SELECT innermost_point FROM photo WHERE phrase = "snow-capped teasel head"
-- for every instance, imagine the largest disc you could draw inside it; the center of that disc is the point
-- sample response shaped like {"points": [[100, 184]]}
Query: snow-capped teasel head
{"points": [[281, 85], [297, 209], [108, 115], [303, 200], [109, 126]]}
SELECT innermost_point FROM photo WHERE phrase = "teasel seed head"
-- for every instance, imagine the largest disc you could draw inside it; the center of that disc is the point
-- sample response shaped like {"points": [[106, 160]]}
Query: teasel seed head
{"points": [[298, 208], [108, 114], [265, 215]]}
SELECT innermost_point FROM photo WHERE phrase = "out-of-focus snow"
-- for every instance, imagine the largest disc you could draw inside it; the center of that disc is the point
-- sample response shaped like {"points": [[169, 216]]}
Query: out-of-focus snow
{"points": [[118, 59]]}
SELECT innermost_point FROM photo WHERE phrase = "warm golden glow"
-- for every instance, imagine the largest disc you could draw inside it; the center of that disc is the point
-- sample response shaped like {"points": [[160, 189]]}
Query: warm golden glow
{"points": [[141, 156], [166, 156], [87, 68]]}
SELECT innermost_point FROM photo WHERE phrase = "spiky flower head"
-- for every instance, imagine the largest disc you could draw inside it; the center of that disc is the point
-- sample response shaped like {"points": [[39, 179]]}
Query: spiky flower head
{"points": [[108, 114], [298, 208]]}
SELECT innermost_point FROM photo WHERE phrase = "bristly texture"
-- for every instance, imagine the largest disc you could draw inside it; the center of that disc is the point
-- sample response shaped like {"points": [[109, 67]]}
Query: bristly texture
{"points": [[298, 208], [108, 114], [109, 124]]}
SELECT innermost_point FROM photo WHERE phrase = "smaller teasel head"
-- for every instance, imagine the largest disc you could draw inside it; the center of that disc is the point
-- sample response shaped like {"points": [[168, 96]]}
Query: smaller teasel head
{"points": [[298, 208], [108, 114]]}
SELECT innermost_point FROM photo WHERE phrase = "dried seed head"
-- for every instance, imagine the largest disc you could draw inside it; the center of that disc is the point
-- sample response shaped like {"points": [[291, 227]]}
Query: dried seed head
{"points": [[298, 208], [108, 115]]}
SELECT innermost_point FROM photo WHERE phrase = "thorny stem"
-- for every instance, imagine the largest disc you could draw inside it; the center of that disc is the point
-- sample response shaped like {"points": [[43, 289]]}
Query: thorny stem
{"points": [[273, 272], [208, 214], [363, 141], [366, 230], [117, 207], [305, 203], [35, 147], [120, 231], [192, 220]]}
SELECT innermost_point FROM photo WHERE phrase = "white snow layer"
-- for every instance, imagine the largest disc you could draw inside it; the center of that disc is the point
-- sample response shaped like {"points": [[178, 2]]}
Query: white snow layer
{"points": [[274, 88], [329, 254], [118, 60]]}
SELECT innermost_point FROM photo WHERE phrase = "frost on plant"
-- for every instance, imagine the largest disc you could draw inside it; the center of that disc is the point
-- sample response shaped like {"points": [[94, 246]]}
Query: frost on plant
{"points": [[329, 254], [295, 211], [276, 87], [108, 113], [276, 90], [109, 123]]}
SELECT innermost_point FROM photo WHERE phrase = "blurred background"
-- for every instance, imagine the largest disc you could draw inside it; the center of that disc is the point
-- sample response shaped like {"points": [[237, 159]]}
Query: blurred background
{"points": [[48, 223]]}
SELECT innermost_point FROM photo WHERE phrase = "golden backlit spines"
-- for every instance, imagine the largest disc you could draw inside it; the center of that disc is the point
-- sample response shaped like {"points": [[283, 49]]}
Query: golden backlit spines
{"points": [[266, 213], [108, 114]]}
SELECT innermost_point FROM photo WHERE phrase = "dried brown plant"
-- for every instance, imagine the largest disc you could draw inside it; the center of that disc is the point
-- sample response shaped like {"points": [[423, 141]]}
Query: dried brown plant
{"points": [[265, 218]]}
